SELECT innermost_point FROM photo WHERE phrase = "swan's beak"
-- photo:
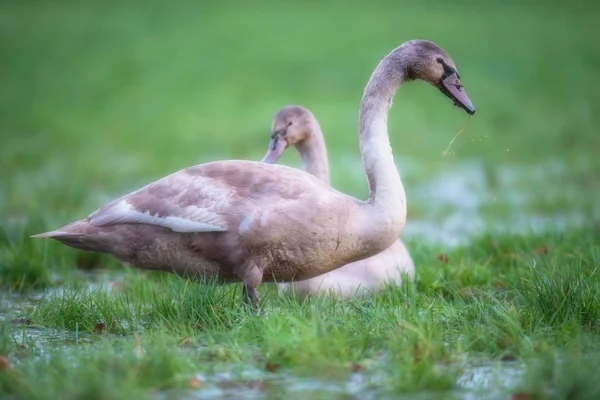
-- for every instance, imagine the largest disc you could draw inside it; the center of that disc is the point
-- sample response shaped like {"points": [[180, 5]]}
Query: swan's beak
{"points": [[453, 88], [277, 146]]}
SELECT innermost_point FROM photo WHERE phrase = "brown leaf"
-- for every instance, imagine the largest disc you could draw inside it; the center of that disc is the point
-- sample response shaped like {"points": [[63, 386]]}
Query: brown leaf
{"points": [[443, 258], [521, 396], [271, 367], [466, 292], [195, 382], [508, 357], [22, 321], [257, 384], [99, 328], [417, 353], [354, 367], [498, 284], [4, 363], [542, 250]]}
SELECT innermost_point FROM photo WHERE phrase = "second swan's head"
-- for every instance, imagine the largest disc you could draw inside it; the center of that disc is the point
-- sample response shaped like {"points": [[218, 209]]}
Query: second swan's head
{"points": [[427, 61], [291, 126]]}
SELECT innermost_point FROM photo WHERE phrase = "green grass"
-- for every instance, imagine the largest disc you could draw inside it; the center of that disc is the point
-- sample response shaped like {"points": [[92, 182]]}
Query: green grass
{"points": [[99, 98]]}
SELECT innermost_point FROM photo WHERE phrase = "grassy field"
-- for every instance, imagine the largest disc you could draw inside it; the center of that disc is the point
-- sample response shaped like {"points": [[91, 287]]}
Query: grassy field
{"points": [[99, 98]]}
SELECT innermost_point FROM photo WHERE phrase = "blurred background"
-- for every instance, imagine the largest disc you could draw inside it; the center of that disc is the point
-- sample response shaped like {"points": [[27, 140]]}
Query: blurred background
{"points": [[100, 97]]}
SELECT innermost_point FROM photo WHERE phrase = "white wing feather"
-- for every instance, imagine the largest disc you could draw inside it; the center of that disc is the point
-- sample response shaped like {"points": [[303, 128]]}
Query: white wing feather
{"points": [[181, 202]]}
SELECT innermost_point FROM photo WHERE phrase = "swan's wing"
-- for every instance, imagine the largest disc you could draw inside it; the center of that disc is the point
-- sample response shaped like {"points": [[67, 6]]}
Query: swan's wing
{"points": [[210, 197], [182, 202]]}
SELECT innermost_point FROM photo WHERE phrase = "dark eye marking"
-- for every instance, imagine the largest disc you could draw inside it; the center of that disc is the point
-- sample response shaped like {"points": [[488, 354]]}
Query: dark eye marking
{"points": [[280, 132], [448, 70]]}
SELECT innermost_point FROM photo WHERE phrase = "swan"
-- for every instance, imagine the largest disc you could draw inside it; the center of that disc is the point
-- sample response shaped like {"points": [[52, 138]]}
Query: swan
{"points": [[296, 126], [247, 221]]}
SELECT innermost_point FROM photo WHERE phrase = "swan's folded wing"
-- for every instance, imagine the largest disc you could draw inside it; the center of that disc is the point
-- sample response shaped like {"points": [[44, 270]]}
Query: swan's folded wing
{"points": [[180, 202]]}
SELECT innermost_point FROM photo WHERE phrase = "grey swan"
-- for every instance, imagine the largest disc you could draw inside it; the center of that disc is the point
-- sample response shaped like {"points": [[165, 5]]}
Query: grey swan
{"points": [[295, 126], [247, 221]]}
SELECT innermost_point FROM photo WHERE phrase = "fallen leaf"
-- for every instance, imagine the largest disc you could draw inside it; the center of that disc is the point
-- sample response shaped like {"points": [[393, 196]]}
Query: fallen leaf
{"points": [[257, 384], [99, 328], [508, 357], [22, 346], [466, 292], [542, 250], [271, 367], [195, 382], [22, 321], [4, 363], [417, 353], [520, 396], [443, 258], [354, 367]]}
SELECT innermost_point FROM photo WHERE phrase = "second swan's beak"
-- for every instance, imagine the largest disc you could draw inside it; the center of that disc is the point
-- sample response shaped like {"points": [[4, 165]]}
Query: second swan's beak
{"points": [[277, 146], [453, 88]]}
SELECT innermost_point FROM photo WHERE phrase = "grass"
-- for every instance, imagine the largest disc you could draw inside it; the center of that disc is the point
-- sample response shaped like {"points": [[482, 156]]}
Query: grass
{"points": [[99, 98]]}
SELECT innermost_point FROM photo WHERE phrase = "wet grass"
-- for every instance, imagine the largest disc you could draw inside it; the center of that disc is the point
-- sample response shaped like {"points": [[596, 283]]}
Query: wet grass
{"points": [[503, 303], [99, 99]]}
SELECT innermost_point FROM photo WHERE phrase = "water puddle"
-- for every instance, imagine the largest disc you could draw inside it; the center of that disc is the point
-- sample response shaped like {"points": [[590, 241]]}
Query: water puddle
{"points": [[490, 380], [485, 381], [464, 200]]}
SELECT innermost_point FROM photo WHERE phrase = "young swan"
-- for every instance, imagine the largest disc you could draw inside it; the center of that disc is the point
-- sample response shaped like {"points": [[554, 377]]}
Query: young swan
{"points": [[296, 126], [247, 221]]}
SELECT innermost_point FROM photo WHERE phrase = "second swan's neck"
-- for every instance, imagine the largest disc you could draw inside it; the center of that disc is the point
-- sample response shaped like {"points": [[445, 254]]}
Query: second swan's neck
{"points": [[387, 196], [314, 153]]}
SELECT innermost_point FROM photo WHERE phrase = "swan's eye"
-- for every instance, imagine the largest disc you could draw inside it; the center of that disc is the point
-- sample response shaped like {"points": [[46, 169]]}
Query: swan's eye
{"points": [[440, 60], [290, 123]]}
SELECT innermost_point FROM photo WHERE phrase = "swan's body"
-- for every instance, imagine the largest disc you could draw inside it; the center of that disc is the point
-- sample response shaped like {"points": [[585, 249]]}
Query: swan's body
{"points": [[248, 221], [296, 126]]}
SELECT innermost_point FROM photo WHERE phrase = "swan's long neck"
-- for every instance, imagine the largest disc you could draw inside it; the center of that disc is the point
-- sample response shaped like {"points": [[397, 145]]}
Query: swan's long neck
{"points": [[387, 198], [314, 153]]}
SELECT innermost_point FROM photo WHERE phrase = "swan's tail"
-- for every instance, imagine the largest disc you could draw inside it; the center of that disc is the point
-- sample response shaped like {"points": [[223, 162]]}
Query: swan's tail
{"points": [[79, 234], [55, 234]]}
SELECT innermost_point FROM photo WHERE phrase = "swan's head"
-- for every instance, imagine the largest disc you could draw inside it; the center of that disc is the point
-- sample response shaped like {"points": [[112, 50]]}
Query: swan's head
{"points": [[429, 62], [291, 126]]}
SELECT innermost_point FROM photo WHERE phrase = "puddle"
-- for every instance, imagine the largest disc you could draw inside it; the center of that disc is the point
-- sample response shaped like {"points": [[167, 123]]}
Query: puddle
{"points": [[466, 200], [488, 381], [11, 304]]}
